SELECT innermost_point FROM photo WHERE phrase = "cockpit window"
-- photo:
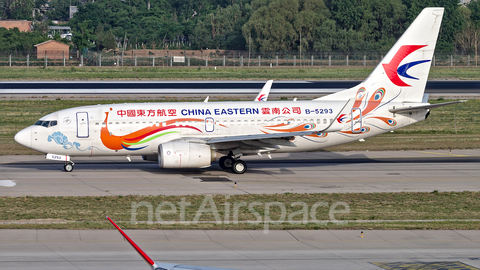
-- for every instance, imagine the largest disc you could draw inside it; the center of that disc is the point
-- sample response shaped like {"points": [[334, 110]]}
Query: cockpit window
{"points": [[46, 123]]}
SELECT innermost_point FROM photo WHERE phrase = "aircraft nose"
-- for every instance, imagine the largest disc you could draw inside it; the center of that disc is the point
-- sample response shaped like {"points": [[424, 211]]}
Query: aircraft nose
{"points": [[24, 137]]}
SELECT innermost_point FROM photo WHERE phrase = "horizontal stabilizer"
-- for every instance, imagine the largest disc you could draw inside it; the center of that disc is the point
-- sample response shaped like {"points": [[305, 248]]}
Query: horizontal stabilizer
{"points": [[420, 106]]}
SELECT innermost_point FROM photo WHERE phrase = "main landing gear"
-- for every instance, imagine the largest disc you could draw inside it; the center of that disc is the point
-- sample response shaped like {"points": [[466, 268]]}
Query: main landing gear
{"points": [[68, 167], [236, 165]]}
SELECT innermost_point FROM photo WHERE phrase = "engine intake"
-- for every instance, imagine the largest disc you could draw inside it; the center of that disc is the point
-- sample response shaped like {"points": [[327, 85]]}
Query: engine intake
{"points": [[183, 154]]}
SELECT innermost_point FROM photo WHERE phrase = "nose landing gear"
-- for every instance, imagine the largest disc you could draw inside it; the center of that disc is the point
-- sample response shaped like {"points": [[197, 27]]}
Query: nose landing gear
{"points": [[68, 167]]}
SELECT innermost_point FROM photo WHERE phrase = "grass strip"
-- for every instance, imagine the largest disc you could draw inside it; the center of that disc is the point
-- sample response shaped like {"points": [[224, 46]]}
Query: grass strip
{"points": [[219, 73], [406, 210]]}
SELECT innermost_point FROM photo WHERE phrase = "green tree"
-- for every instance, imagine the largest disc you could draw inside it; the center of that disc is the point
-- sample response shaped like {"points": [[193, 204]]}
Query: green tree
{"points": [[270, 28], [220, 29], [17, 9], [14, 40], [374, 24]]}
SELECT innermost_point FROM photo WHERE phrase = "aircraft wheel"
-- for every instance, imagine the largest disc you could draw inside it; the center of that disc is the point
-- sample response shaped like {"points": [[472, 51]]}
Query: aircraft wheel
{"points": [[226, 162], [68, 167], [239, 167]]}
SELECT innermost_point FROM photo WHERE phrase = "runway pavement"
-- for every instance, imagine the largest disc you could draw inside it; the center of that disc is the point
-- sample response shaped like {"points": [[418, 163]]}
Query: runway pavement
{"points": [[295, 249], [244, 90], [328, 172], [245, 249]]}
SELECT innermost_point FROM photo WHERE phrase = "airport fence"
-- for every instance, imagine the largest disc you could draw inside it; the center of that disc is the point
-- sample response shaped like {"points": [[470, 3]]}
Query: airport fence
{"points": [[183, 58]]}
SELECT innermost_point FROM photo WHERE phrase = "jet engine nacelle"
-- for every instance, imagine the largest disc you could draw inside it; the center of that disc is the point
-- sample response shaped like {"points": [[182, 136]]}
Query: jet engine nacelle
{"points": [[182, 154]]}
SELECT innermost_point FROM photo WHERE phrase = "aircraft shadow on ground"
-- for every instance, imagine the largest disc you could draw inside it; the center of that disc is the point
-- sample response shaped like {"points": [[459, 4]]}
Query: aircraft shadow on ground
{"points": [[256, 165]]}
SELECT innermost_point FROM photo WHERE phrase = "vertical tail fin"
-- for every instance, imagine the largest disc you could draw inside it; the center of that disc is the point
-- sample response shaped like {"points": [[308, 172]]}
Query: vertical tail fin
{"points": [[263, 95], [403, 72]]}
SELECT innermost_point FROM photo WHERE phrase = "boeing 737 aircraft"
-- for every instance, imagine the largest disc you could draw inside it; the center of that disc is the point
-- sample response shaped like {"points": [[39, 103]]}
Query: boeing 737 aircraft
{"points": [[192, 135], [161, 266]]}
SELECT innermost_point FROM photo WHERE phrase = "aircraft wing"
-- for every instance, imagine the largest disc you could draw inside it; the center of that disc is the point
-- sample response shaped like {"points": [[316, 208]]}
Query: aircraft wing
{"points": [[419, 106], [334, 126], [260, 136], [166, 266], [160, 266]]}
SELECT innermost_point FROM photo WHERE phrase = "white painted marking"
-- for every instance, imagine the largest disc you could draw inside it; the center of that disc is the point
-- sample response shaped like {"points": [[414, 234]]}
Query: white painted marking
{"points": [[7, 183]]}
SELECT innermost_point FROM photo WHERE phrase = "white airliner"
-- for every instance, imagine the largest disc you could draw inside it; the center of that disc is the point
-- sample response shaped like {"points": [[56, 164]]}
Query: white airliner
{"points": [[161, 265], [192, 135]]}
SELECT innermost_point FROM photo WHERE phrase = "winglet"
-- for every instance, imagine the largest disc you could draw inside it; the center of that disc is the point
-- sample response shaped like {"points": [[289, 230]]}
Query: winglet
{"points": [[137, 248], [263, 95]]}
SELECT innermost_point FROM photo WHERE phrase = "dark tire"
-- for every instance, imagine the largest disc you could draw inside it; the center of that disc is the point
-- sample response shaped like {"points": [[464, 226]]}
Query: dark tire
{"points": [[239, 167], [68, 167], [226, 162]]}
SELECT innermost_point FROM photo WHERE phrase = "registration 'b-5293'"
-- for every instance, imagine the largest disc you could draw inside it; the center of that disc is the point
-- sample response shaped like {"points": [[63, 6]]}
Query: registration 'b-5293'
{"points": [[192, 135]]}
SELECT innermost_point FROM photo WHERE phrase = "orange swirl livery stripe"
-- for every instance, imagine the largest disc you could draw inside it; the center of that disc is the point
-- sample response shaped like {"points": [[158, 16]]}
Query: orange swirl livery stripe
{"points": [[302, 127], [114, 142]]}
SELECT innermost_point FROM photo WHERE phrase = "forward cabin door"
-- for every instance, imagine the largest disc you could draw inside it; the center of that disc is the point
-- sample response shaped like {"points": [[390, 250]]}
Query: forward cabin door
{"points": [[209, 124], [82, 125], [356, 120]]}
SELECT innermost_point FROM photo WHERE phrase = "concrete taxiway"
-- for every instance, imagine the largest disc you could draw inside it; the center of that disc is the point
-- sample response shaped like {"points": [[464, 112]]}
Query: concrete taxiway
{"points": [[295, 249], [328, 172]]}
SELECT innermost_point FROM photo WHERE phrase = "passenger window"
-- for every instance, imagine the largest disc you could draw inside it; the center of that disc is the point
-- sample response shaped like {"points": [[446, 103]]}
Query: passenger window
{"points": [[325, 121], [318, 121], [331, 120], [232, 122], [259, 122], [279, 121], [252, 122], [239, 122], [117, 123], [97, 124], [311, 121]]}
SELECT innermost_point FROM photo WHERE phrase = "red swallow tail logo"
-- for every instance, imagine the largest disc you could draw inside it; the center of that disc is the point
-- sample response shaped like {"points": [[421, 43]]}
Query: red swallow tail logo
{"points": [[392, 69]]}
